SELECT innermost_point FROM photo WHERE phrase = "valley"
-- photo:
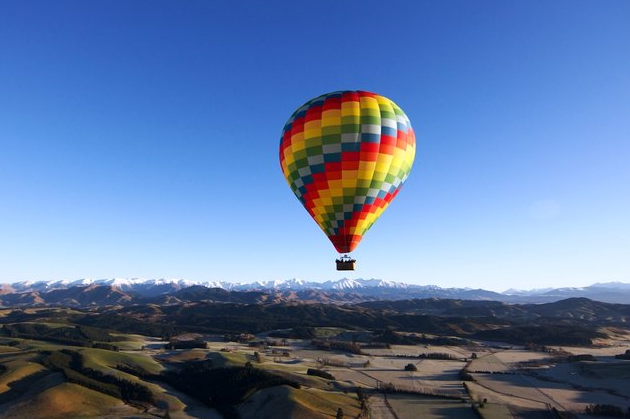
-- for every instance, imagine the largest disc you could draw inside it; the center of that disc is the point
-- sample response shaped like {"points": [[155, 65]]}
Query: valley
{"points": [[388, 359]]}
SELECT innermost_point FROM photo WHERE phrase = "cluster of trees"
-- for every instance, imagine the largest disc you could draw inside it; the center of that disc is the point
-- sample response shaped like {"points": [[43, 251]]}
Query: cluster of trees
{"points": [[607, 410], [331, 362], [320, 373], [72, 365], [238, 337], [556, 352], [186, 344], [431, 355], [127, 324], [464, 375], [105, 346], [544, 334], [481, 405], [376, 345], [18, 315], [67, 335], [624, 356], [364, 403], [437, 355], [224, 387], [298, 332], [137, 371], [390, 337], [328, 345], [580, 357]]}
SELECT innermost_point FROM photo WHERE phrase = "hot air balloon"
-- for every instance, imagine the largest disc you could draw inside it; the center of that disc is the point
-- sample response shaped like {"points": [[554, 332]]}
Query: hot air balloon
{"points": [[346, 155]]}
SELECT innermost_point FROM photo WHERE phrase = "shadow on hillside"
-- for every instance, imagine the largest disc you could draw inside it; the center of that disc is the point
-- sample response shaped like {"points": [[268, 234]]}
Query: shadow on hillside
{"points": [[19, 387], [194, 407]]}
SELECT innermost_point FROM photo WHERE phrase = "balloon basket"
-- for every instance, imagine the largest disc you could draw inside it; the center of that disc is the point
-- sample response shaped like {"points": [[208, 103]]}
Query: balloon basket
{"points": [[345, 263]]}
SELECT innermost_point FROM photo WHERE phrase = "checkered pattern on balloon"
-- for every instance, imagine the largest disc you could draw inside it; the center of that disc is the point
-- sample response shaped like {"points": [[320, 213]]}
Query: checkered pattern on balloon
{"points": [[346, 156]]}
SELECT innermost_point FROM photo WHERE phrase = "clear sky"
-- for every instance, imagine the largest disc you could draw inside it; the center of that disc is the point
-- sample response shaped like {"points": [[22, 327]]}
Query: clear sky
{"points": [[140, 138]]}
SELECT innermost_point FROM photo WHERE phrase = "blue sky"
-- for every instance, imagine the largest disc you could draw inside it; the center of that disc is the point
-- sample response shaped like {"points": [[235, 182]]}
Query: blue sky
{"points": [[140, 139]]}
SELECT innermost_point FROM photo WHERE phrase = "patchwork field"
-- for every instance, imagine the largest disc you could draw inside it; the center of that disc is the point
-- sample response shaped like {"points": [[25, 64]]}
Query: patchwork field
{"points": [[386, 381], [560, 395]]}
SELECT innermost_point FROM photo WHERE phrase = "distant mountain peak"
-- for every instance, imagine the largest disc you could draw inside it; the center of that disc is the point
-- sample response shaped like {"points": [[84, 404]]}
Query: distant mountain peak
{"points": [[344, 289], [612, 285]]}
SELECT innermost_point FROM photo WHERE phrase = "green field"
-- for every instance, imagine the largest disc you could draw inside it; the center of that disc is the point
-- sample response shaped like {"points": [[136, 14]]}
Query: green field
{"points": [[8, 349], [288, 403], [101, 359]]}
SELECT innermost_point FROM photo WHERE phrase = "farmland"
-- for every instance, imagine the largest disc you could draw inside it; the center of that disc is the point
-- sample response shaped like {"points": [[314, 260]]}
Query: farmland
{"points": [[67, 372]]}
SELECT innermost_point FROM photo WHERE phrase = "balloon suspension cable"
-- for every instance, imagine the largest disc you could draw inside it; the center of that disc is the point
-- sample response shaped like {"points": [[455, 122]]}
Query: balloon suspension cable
{"points": [[345, 258]]}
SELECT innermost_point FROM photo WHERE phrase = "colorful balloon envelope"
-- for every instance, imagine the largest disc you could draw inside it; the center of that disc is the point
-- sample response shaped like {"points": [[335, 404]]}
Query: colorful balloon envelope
{"points": [[346, 155]]}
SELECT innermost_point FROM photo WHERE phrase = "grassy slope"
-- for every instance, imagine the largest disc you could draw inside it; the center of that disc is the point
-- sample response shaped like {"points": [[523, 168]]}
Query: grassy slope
{"points": [[286, 402], [179, 405], [67, 400], [19, 368], [40, 345], [104, 360], [128, 341], [234, 358], [6, 349], [62, 399], [190, 355]]}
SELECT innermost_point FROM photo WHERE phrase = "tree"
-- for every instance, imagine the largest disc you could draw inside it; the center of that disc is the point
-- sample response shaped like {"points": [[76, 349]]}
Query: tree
{"points": [[339, 413], [411, 367], [361, 395]]}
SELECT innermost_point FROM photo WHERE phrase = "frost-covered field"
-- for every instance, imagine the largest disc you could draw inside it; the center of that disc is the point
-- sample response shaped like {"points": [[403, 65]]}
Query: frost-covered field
{"points": [[535, 392], [413, 407]]}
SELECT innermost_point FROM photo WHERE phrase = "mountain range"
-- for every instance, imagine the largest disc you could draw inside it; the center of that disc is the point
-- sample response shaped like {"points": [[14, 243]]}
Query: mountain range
{"points": [[164, 291]]}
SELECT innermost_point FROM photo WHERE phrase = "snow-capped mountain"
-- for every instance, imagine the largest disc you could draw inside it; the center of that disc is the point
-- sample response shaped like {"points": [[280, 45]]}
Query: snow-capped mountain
{"points": [[537, 291], [612, 285], [378, 289], [167, 285], [352, 284], [294, 284]]}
